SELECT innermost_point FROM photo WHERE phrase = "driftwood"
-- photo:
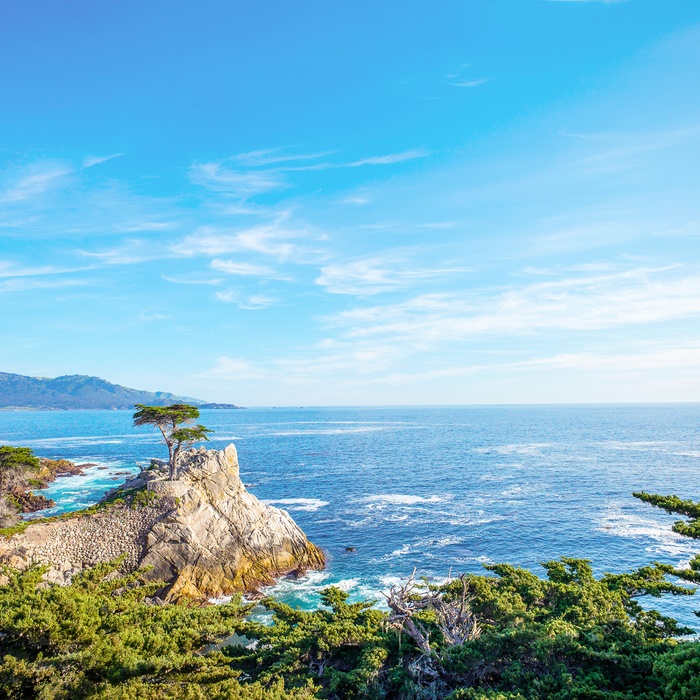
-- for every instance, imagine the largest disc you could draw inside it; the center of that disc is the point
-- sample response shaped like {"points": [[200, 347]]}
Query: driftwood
{"points": [[455, 619]]}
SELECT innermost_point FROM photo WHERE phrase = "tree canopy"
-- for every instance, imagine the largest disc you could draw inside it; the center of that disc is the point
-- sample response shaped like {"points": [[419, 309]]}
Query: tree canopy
{"points": [[15, 462], [565, 636], [174, 423], [508, 634], [18, 468]]}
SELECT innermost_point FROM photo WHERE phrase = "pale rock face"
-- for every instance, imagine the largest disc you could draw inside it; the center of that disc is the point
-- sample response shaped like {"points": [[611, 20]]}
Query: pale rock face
{"points": [[206, 536], [220, 538]]}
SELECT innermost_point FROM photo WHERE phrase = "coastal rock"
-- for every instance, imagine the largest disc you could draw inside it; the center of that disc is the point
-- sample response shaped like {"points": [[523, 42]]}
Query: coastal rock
{"points": [[204, 535]]}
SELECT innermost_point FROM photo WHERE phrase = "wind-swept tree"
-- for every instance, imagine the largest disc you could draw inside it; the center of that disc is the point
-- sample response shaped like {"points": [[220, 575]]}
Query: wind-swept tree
{"points": [[18, 466], [174, 424], [15, 464]]}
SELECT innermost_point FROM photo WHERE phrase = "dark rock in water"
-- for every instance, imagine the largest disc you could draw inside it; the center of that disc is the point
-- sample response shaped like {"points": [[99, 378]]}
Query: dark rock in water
{"points": [[297, 574], [350, 549], [50, 469], [30, 502]]}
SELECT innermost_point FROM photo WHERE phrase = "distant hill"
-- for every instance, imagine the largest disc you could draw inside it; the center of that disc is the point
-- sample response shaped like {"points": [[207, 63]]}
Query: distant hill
{"points": [[77, 391]]}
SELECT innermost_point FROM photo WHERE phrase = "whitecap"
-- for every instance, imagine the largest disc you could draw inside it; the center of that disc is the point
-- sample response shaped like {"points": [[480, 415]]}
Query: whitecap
{"points": [[666, 541], [347, 584], [404, 499], [527, 449], [638, 445], [325, 431], [306, 504]]}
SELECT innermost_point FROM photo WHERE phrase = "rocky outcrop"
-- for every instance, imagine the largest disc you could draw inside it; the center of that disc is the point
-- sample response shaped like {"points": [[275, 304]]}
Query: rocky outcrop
{"points": [[204, 535]]}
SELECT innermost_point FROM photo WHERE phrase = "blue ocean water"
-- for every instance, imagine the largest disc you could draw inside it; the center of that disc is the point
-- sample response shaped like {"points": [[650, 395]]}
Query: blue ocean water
{"points": [[434, 488]]}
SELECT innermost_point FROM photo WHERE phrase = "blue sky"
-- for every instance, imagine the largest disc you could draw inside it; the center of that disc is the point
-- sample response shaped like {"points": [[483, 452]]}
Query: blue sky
{"points": [[314, 203]]}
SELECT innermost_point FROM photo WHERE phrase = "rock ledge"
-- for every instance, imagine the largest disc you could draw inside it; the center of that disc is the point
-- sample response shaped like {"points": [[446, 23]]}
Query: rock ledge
{"points": [[204, 535]]}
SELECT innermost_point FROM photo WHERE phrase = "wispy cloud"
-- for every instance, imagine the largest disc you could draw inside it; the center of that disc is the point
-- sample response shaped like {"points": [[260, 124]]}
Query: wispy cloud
{"points": [[246, 182], [639, 296], [192, 279], [475, 82], [231, 267], [151, 315], [22, 284], [30, 181], [276, 240], [355, 199], [89, 161], [237, 183], [9, 270], [144, 226], [131, 252], [685, 354], [232, 369], [269, 156], [368, 276], [461, 77], [388, 159], [249, 303]]}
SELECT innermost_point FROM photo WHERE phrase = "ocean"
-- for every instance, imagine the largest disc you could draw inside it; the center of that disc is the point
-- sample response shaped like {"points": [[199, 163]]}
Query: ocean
{"points": [[437, 489]]}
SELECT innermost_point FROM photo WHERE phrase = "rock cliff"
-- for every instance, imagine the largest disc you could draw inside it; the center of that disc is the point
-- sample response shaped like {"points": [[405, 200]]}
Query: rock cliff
{"points": [[204, 535]]}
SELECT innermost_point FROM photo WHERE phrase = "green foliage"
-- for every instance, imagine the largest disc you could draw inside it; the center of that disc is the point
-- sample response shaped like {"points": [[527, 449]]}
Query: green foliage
{"points": [[343, 647], [141, 499], [691, 509], [673, 504], [565, 636], [568, 636], [679, 671], [18, 467], [17, 458], [168, 419], [99, 638], [15, 529], [165, 415]]}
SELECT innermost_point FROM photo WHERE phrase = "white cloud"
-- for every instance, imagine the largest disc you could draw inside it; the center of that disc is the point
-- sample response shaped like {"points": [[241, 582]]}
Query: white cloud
{"points": [[237, 183], [471, 83], [232, 368], [32, 181], [22, 284], [89, 161], [639, 296], [192, 279], [337, 359], [373, 275], [269, 156], [8, 269], [258, 301], [241, 268], [131, 252], [271, 240], [215, 241], [388, 159], [354, 199], [663, 357], [138, 226]]}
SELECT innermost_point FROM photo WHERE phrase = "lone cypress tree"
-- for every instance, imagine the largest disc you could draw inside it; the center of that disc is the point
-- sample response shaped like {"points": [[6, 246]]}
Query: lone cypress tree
{"points": [[169, 420]]}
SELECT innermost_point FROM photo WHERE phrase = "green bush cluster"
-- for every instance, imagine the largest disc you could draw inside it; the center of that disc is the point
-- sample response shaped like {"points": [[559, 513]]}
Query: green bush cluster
{"points": [[564, 636]]}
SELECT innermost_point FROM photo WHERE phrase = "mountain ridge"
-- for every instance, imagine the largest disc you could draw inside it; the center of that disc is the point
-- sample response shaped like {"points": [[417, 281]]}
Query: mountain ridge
{"points": [[82, 392]]}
